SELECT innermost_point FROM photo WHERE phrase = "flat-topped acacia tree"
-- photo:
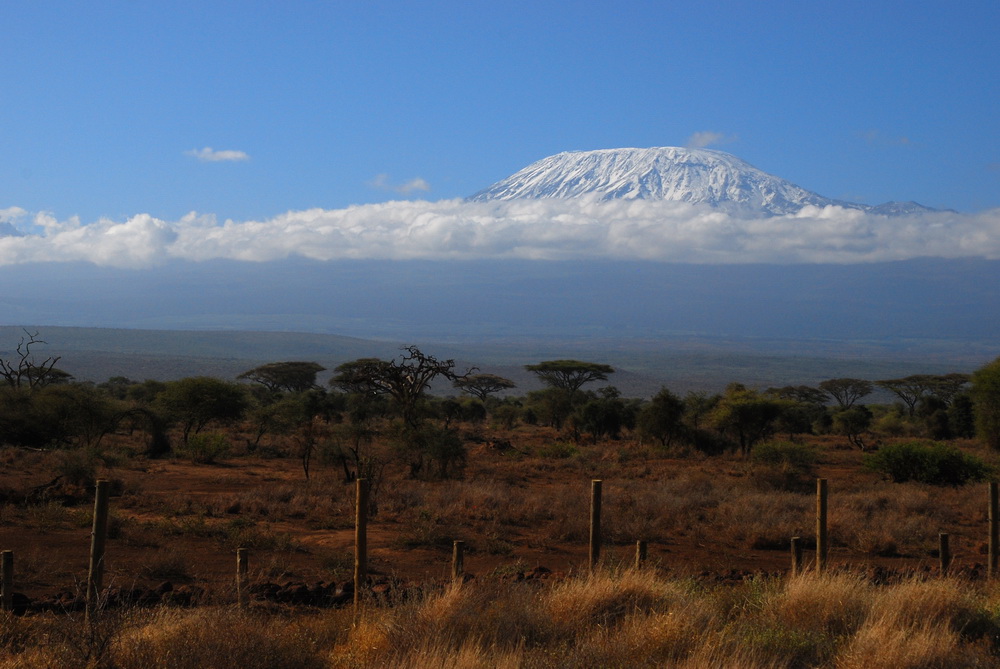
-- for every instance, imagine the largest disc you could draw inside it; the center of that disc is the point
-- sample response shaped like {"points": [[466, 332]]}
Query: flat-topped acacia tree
{"points": [[570, 375], [483, 385], [292, 376]]}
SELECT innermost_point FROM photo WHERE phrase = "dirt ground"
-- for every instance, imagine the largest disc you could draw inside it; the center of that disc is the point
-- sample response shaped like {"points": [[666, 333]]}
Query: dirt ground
{"points": [[51, 540]]}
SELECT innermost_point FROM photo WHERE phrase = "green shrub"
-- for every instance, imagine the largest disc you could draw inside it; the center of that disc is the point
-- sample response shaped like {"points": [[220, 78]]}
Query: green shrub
{"points": [[795, 456], [784, 465], [557, 449], [927, 462], [205, 448]]}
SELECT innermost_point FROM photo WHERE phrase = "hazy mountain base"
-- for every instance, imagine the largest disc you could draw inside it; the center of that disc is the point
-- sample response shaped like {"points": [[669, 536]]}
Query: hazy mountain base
{"points": [[95, 354], [690, 326]]}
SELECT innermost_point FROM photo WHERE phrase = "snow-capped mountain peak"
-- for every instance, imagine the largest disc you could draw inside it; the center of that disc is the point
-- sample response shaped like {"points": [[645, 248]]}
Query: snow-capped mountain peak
{"points": [[698, 176]]}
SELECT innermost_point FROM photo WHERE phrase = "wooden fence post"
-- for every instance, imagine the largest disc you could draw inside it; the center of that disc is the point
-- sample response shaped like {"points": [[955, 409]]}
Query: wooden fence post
{"points": [[822, 548], [796, 556], [595, 523], [7, 580], [991, 568], [640, 553], [944, 552], [360, 541], [242, 569], [98, 540], [458, 561]]}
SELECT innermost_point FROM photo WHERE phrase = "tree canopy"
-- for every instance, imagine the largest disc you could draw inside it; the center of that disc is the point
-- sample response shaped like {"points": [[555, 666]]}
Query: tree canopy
{"points": [[292, 376], [746, 415], [198, 400], [986, 397], [847, 391], [570, 375], [404, 380], [483, 385]]}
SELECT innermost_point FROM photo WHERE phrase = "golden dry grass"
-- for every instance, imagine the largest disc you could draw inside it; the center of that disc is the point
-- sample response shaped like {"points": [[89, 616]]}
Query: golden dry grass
{"points": [[623, 618]]}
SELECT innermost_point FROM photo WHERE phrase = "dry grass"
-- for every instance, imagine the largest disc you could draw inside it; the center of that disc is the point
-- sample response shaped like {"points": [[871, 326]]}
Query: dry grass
{"points": [[610, 619]]}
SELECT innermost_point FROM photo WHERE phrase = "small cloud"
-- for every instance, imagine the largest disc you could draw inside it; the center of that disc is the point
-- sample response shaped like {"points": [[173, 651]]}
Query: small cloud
{"points": [[210, 155], [878, 138], [381, 182], [10, 214], [704, 139]]}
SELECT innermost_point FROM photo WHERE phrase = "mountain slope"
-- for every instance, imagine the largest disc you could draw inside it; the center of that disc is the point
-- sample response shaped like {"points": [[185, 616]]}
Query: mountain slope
{"points": [[697, 176]]}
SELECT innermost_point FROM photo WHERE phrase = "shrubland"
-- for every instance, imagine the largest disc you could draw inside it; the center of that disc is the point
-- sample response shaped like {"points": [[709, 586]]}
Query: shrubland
{"points": [[717, 484]]}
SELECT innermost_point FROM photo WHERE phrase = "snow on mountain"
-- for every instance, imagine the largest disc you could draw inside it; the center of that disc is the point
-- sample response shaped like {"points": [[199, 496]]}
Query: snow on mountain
{"points": [[698, 176]]}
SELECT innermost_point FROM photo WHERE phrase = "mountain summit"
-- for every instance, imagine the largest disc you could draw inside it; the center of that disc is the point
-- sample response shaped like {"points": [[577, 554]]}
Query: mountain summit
{"points": [[698, 176]]}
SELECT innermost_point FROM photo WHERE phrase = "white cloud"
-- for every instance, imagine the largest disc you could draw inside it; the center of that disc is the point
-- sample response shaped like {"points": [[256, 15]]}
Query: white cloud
{"points": [[210, 155], [704, 139], [381, 182], [535, 229], [11, 214], [878, 138]]}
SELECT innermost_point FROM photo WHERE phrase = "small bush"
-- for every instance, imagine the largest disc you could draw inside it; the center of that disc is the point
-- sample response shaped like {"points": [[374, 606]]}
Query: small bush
{"points": [[933, 463], [784, 465], [557, 449], [77, 467], [205, 448], [796, 456]]}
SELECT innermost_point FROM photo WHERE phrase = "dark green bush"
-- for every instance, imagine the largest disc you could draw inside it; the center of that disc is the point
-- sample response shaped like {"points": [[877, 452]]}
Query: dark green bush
{"points": [[795, 456], [784, 465], [927, 462]]}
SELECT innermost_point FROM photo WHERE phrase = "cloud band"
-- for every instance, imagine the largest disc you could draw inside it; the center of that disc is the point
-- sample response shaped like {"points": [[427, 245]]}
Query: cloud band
{"points": [[533, 229]]}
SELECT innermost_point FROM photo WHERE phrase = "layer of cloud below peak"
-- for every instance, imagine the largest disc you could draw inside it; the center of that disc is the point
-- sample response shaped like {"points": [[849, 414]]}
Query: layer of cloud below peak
{"points": [[528, 229]]}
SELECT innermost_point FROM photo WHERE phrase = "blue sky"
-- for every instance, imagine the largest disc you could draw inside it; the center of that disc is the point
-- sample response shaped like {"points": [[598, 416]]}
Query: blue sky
{"points": [[109, 106]]}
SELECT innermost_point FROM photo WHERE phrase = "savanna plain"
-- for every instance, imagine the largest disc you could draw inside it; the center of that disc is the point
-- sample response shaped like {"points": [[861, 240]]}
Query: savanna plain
{"points": [[716, 485]]}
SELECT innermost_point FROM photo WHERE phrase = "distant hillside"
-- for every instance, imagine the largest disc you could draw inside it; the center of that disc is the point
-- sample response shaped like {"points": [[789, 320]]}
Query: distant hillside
{"points": [[932, 309], [94, 354]]}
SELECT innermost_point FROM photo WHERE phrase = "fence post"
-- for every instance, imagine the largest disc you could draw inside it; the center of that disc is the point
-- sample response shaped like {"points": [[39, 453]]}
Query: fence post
{"points": [[242, 568], [458, 561], [994, 532], [640, 553], [944, 552], [98, 540], [822, 547], [796, 556], [595, 523], [7, 580], [360, 540]]}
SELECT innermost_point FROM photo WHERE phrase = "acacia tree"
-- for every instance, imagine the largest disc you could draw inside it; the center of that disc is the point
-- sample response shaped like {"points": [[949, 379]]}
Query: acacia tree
{"points": [[746, 415], [846, 391], [405, 381], [910, 389], [483, 385], [662, 418], [24, 371], [853, 423], [292, 376], [198, 400], [570, 375]]}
